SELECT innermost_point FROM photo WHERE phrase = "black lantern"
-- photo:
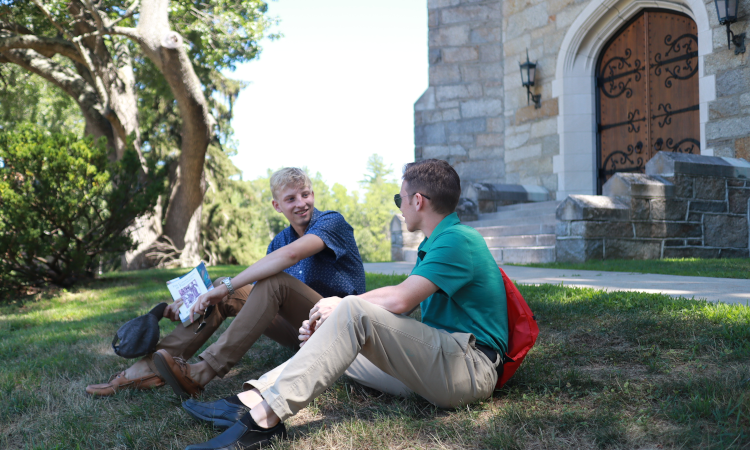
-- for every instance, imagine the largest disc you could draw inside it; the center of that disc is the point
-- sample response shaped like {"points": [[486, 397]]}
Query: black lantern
{"points": [[528, 76], [727, 12]]}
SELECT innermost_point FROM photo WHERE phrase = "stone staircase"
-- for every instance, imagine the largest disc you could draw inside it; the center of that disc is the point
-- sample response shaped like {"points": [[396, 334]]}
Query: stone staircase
{"points": [[521, 233]]}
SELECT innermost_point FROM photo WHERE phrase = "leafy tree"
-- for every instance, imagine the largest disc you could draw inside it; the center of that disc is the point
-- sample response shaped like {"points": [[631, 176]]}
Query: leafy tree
{"points": [[64, 206], [371, 224], [27, 98], [150, 70]]}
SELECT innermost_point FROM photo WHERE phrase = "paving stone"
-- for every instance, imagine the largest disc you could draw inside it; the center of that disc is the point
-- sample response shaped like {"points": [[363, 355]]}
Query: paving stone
{"points": [[725, 231]]}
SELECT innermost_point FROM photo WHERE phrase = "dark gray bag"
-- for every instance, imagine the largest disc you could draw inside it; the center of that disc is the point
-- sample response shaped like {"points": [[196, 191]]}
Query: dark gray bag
{"points": [[139, 336]]}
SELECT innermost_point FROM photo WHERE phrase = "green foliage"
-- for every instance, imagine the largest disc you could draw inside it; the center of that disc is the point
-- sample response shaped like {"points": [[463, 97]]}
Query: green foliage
{"points": [[25, 97], [64, 207]]}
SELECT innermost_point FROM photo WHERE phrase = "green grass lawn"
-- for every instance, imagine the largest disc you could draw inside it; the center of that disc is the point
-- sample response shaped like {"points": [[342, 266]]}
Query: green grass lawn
{"points": [[694, 267], [610, 370]]}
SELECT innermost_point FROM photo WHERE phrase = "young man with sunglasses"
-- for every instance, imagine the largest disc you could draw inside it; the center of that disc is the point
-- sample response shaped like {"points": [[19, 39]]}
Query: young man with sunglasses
{"points": [[450, 358], [315, 257]]}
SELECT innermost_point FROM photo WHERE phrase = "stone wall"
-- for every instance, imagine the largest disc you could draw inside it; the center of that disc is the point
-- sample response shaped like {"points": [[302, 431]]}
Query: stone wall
{"points": [[459, 118], [404, 243], [728, 122], [684, 206]]}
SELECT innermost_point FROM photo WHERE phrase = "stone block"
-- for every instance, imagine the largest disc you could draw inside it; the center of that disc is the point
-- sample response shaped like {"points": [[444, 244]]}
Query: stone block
{"points": [[467, 139], [472, 13], [433, 19], [738, 200], [469, 126], [427, 101], [725, 231], [490, 140], [487, 34], [470, 73], [480, 169], [527, 113], [481, 108], [434, 56], [691, 252], [723, 107], [694, 242], [683, 185], [710, 188], [493, 89], [530, 18], [544, 127], [433, 4], [504, 193], [668, 209], [525, 153], [457, 91], [667, 164], [430, 134], [674, 243], [640, 208], [592, 207], [516, 140], [631, 249], [444, 74], [742, 147], [496, 125], [708, 206], [562, 228], [728, 128], [667, 230], [735, 183], [637, 185], [450, 36], [734, 253], [551, 145], [578, 250], [491, 71], [601, 229], [460, 54], [695, 217], [732, 82], [491, 53]]}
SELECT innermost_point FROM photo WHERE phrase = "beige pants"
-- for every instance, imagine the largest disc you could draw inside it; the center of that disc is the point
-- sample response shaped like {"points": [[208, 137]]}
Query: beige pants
{"points": [[443, 368], [276, 307]]}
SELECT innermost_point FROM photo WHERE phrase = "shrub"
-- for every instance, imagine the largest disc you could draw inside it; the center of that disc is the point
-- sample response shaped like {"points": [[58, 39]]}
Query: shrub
{"points": [[65, 207]]}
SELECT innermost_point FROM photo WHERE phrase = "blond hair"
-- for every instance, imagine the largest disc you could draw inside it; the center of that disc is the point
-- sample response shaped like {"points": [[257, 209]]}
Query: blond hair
{"points": [[289, 176]]}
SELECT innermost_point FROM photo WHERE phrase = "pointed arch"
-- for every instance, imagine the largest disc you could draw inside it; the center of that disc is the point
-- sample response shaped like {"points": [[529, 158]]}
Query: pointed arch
{"points": [[575, 166]]}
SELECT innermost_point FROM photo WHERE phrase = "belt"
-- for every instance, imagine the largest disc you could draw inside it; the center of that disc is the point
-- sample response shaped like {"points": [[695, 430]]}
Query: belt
{"points": [[492, 355]]}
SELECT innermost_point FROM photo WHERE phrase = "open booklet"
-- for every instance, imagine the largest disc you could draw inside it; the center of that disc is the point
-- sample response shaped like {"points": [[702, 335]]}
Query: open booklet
{"points": [[188, 288]]}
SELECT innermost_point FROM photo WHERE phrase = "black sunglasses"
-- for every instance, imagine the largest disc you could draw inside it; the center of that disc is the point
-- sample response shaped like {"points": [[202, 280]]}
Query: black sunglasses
{"points": [[206, 313], [397, 198]]}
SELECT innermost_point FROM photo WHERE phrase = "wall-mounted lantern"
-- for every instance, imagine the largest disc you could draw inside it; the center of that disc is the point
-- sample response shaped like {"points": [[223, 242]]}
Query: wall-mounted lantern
{"points": [[528, 76], [727, 11]]}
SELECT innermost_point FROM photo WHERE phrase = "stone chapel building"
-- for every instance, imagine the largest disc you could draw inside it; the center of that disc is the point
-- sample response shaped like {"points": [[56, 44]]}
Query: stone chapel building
{"points": [[619, 82]]}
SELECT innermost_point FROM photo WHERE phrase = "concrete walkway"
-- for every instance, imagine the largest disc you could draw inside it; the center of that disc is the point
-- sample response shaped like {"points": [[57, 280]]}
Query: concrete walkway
{"points": [[727, 290]]}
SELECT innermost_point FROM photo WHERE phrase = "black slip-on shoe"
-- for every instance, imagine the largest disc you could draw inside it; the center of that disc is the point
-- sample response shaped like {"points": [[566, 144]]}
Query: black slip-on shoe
{"points": [[221, 413], [245, 434]]}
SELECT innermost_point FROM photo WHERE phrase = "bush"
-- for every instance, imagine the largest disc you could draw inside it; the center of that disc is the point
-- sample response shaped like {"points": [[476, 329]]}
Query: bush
{"points": [[65, 207]]}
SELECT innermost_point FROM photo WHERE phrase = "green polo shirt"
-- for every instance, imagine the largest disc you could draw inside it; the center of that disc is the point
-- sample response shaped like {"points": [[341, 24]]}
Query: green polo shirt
{"points": [[471, 295]]}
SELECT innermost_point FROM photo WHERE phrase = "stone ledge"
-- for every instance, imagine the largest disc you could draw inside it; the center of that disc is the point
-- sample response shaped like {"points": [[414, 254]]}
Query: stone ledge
{"points": [[667, 164], [488, 196], [637, 185], [592, 207]]}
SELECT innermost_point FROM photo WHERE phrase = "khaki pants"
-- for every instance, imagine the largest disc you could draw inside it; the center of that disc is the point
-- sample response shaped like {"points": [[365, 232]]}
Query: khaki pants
{"points": [[443, 368], [276, 307]]}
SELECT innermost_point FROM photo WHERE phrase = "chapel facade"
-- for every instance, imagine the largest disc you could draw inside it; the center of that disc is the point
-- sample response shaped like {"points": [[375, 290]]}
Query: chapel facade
{"points": [[618, 82]]}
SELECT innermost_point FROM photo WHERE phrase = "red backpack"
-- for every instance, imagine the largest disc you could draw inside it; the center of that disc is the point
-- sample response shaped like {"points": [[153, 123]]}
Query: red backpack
{"points": [[522, 330]]}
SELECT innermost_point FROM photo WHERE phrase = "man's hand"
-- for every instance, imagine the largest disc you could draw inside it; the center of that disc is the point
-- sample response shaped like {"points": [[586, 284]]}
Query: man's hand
{"points": [[306, 331], [325, 306], [211, 297], [172, 312]]}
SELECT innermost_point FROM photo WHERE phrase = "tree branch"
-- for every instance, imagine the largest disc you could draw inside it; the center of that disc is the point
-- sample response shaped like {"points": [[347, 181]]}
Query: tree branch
{"points": [[43, 45], [129, 12], [15, 28], [46, 12]]}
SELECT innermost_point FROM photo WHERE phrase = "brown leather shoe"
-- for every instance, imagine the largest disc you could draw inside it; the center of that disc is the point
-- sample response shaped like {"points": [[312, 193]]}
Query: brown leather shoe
{"points": [[118, 382], [176, 372]]}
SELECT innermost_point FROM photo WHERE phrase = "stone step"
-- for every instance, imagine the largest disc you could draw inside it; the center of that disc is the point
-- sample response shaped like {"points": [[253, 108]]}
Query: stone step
{"points": [[543, 219], [550, 205], [532, 240], [517, 213], [524, 255], [516, 230]]}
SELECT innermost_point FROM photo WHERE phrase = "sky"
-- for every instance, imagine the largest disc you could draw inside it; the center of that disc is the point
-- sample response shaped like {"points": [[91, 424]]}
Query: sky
{"points": [[339, 86]]}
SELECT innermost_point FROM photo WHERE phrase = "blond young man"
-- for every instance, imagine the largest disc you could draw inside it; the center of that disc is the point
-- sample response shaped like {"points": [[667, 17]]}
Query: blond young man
{"points": [[451, 358], [315, 257]]}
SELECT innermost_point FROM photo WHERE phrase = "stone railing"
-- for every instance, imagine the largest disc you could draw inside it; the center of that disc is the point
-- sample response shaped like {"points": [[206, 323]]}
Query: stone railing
{"points": [[684, 206]]}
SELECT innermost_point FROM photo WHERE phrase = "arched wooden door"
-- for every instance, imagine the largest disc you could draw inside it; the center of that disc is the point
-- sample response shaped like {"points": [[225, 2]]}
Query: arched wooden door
{"points": [[647, 92]]}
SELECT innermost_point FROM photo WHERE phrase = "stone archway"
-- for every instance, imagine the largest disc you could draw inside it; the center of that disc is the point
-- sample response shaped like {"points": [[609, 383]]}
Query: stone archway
{"points": [[574, 85]]}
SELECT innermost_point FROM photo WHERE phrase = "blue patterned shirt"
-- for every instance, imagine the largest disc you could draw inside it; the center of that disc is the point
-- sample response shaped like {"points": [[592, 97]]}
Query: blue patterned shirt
{"points": [[336, 271]]}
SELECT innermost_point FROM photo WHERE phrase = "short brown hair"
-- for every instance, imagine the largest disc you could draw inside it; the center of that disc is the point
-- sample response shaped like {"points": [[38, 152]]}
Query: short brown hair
{"points": [[436, 179], [289, 176]]}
